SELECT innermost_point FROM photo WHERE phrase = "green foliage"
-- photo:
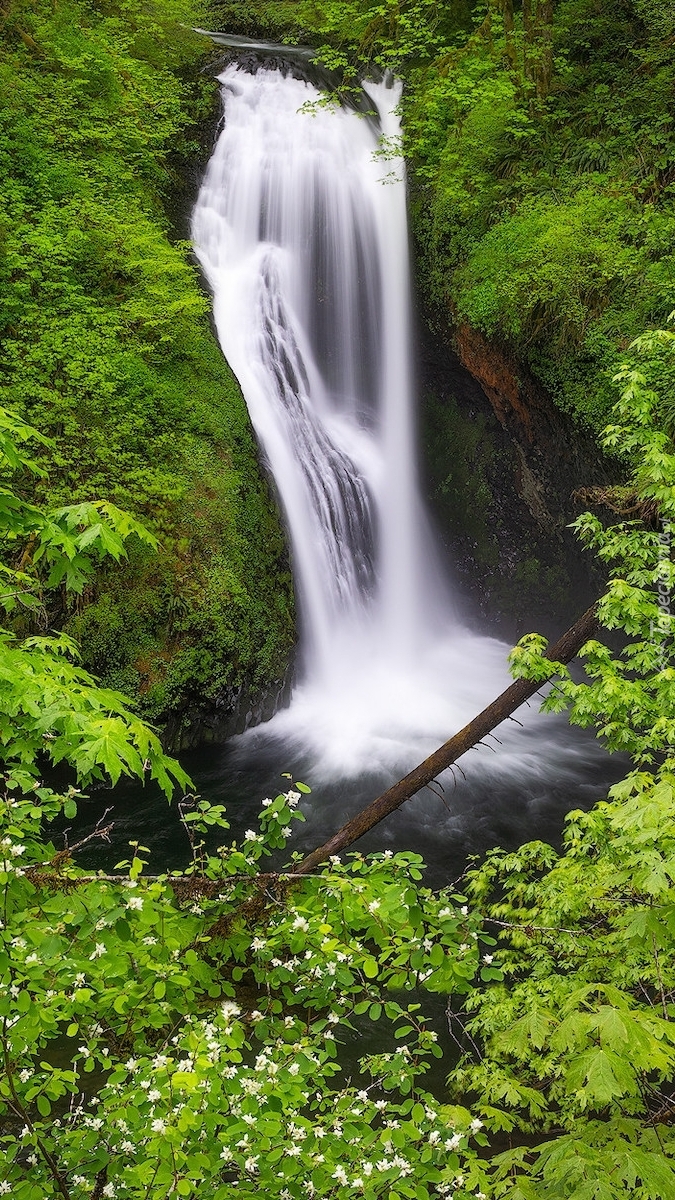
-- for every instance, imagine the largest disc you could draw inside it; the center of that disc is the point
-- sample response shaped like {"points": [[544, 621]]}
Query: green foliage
{"points": [[173, 1034], [105, 344], [577, 1049], [630, 697], [549, 222], [542, 163], [187, 1031], [181, 1034], [52, 709], [574, 1054]]}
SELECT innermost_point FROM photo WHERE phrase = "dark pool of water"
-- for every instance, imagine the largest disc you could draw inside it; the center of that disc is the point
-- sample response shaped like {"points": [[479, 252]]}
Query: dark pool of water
{"points": [[489, 805]]}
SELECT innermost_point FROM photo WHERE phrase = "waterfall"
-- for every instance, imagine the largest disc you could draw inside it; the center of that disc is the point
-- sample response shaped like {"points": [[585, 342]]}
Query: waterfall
{"points": [[301, 230]]}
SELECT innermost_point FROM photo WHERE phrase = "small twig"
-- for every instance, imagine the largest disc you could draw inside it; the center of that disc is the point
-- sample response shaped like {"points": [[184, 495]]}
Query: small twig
{"points": [[450, 1017], [664, 1007], [540, 928], [432, 785], [100, 831]]}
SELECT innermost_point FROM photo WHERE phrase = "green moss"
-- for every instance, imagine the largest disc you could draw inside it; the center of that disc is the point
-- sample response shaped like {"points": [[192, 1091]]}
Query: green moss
{"points": [[459, 454], [544, 218], [105, 344], [550, 225]]}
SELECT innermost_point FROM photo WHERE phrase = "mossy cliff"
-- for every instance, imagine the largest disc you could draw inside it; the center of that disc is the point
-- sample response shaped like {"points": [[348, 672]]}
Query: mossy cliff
{"points": [[540, 141], [106, 346]]}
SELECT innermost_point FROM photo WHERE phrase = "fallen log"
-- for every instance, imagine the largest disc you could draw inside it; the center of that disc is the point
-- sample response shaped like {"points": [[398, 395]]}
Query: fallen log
{"points": [[565, 649]]}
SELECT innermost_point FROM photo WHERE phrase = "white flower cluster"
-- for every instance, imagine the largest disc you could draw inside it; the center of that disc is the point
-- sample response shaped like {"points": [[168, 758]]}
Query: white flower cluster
{"points": [[11, 850]]}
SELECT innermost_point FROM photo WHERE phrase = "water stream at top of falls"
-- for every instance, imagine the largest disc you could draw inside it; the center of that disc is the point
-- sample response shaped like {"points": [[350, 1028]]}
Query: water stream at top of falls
{"points": [[301, 229]]}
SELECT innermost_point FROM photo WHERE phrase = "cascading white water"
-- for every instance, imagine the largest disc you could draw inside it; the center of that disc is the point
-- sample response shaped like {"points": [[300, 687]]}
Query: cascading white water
{"points": [[306, 252], [301, 229]]}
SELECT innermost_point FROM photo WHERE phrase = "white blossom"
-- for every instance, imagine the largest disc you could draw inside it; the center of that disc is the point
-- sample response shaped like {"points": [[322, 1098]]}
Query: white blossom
{"points": [[158, 1125]]}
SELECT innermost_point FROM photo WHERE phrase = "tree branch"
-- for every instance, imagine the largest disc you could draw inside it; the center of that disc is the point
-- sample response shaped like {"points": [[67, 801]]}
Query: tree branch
{"points": [[565, 649]]}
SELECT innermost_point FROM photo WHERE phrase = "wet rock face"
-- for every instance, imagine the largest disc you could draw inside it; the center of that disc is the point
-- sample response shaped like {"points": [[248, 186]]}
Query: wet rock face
{"points": [[502, 464], [232, 712]]}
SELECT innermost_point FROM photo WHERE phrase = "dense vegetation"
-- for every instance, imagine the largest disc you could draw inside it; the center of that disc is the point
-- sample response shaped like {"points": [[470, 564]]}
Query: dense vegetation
{"points": [[105, 343], [541, 140], [179, 1035]]}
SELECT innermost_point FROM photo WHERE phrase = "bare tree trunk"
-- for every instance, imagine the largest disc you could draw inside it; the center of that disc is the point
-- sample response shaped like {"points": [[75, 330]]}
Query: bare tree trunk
{"points": [[509, 36], [528, 23], [520, 690], [544, 71]]}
